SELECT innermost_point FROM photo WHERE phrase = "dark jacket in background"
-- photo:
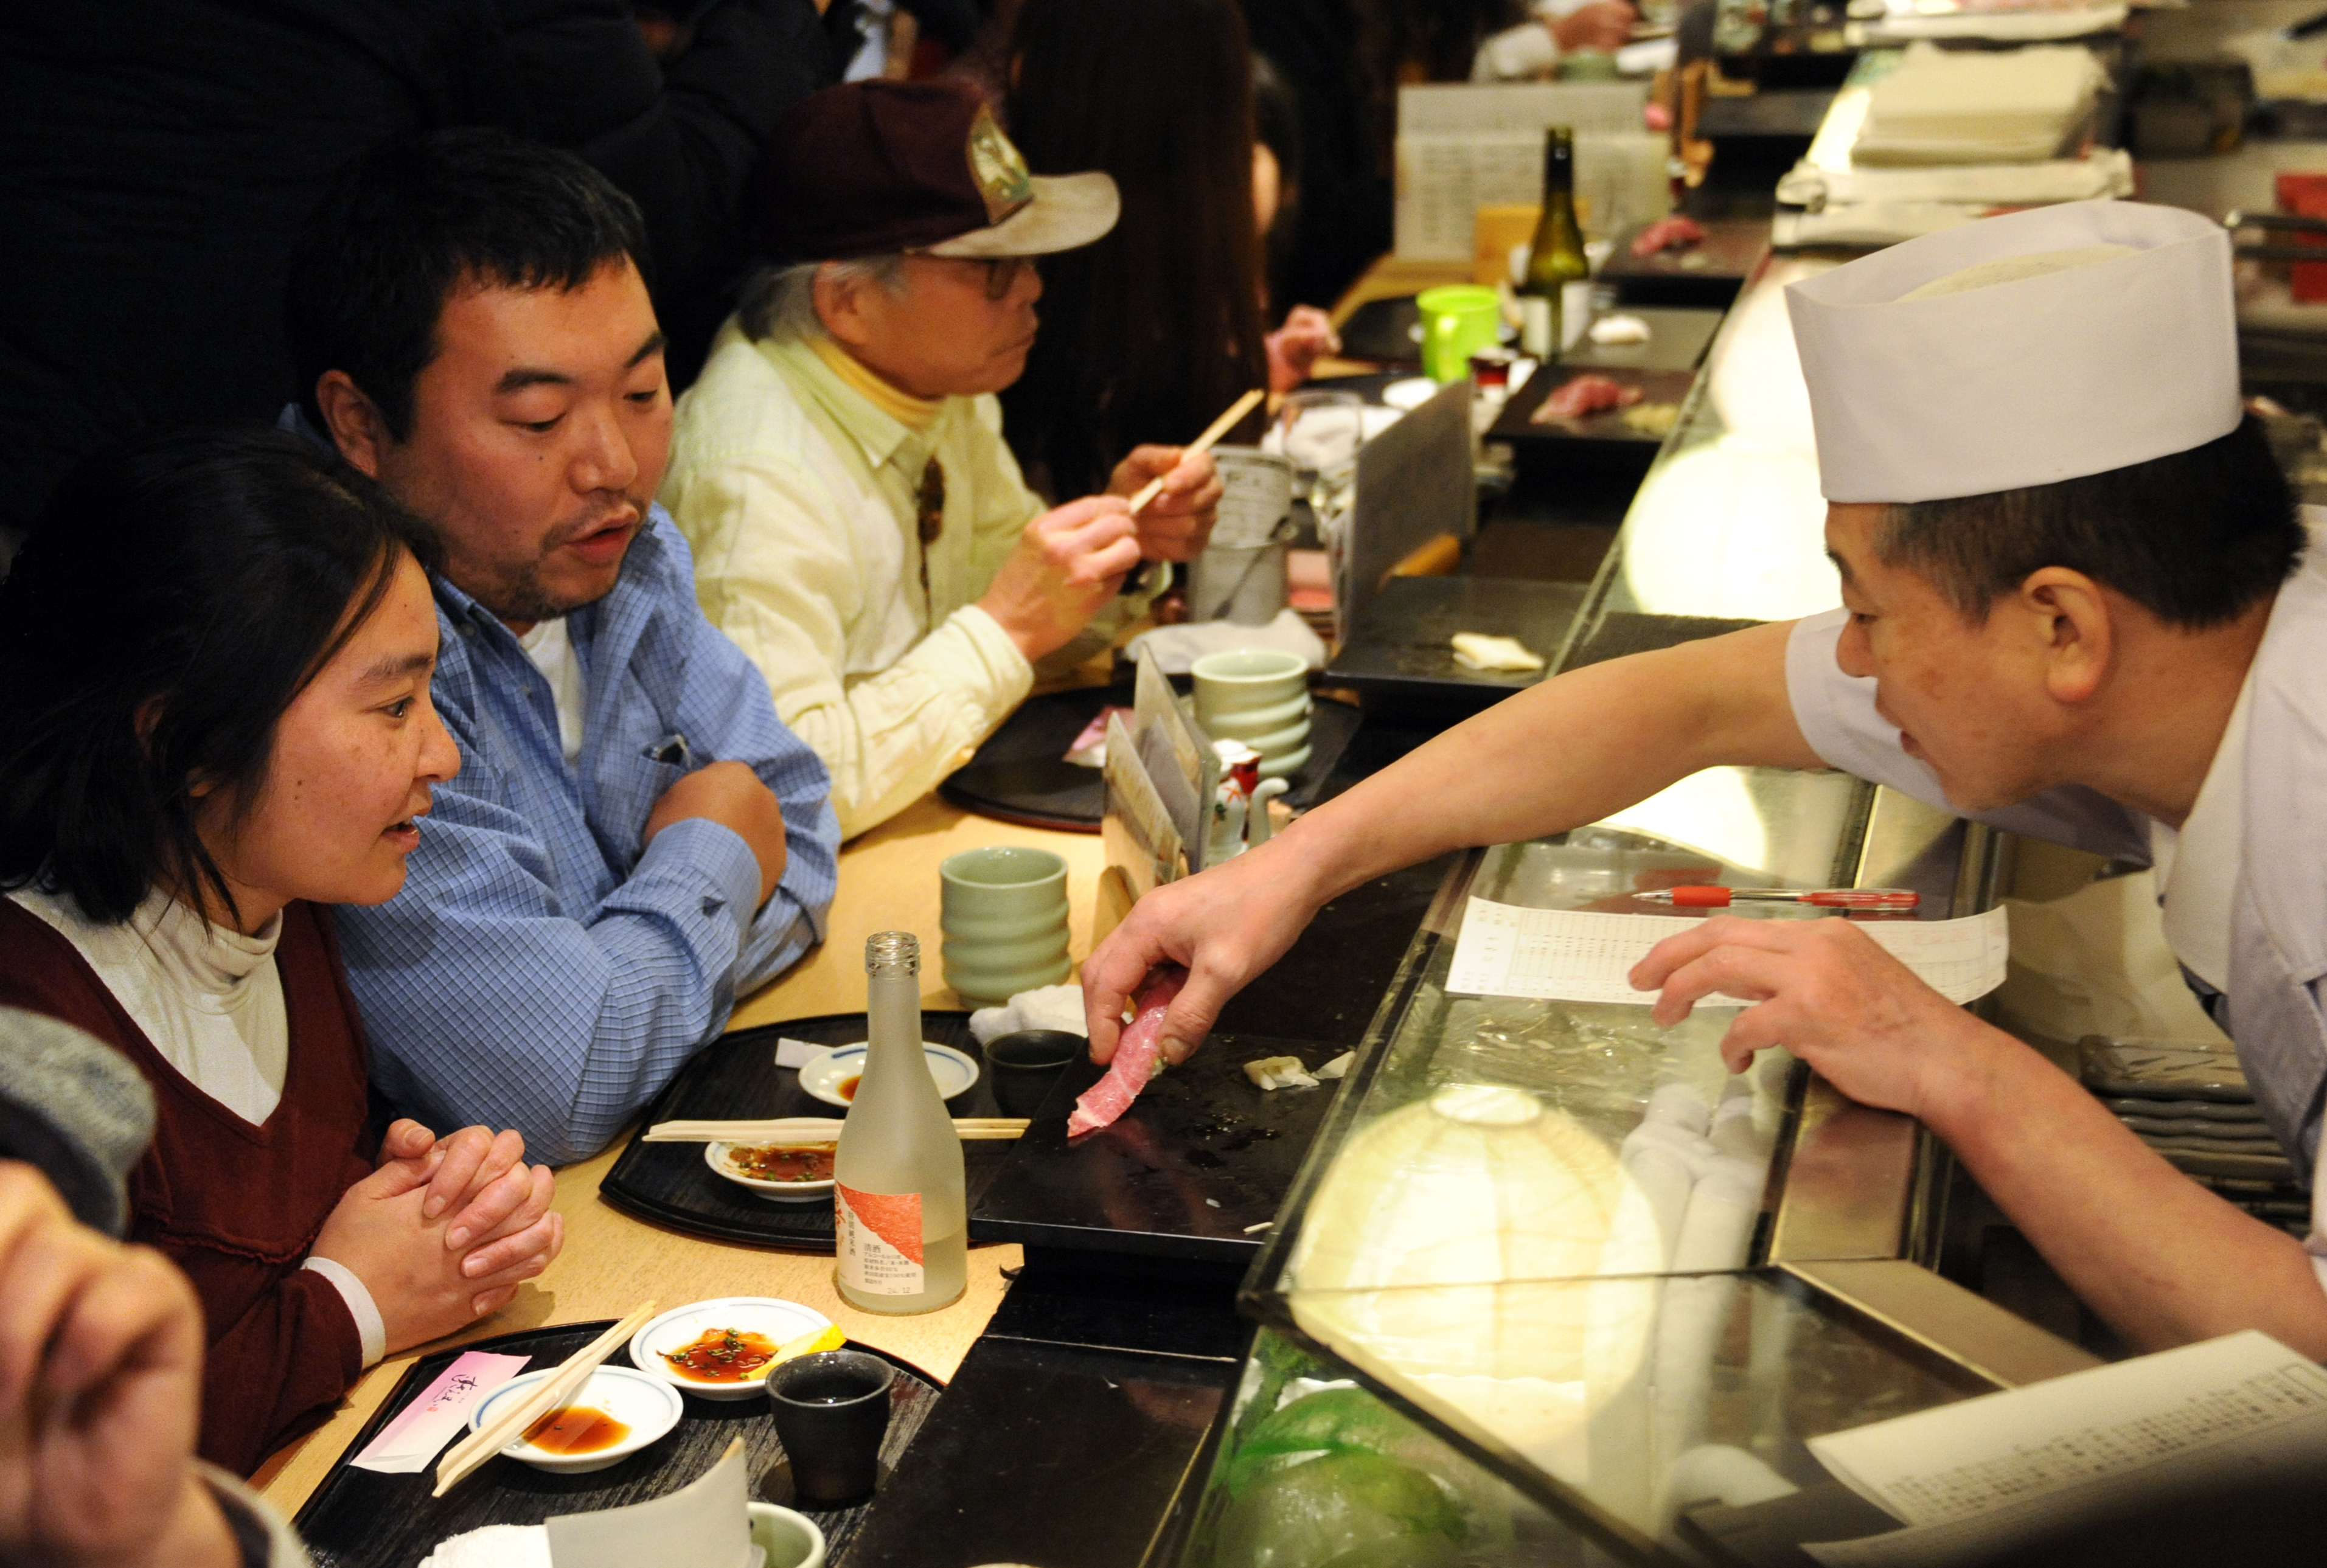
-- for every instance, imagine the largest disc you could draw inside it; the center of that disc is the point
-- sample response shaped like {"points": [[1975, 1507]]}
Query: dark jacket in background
{"points": [[158, 156]]}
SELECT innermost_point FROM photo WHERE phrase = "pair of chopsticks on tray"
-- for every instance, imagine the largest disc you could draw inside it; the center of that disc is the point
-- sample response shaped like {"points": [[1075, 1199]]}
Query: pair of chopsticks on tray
{"points": [[1212, 433], [808, 1130], [556, 1389]]}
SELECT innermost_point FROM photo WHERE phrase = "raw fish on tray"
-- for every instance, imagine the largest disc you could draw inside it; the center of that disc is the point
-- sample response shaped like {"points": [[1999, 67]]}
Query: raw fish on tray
{"points": [[1582, 396], [1138, 1056]]}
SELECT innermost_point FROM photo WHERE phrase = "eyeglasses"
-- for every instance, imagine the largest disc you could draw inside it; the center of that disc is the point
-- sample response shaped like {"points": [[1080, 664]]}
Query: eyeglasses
{"points": [[1002, 274]]}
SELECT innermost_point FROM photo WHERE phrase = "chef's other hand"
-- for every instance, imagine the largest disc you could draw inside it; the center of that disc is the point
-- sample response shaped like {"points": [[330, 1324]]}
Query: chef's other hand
{"points": [[1307, 337], [1177, 523], [1067, 566], [1605, 24], [1224, 926], [1824, 990], [101, 1391]]}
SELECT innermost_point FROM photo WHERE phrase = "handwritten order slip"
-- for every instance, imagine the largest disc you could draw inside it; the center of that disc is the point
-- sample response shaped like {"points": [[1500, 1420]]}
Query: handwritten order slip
{"points": [[1585, 955]]}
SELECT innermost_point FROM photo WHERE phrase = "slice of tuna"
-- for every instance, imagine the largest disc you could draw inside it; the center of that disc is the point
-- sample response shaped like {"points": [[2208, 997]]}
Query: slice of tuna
{"points": [[1139, 1056]]}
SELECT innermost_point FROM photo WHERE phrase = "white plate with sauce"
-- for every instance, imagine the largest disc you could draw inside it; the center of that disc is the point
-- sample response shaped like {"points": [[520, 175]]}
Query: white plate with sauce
{"points": [[771, 1318], [645, 1407], [721, 1158], [832, 1076]]}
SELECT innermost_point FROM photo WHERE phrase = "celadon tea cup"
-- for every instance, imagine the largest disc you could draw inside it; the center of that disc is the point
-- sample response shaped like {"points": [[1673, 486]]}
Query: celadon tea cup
{"points": [[1259, 696], [1003, 911]]}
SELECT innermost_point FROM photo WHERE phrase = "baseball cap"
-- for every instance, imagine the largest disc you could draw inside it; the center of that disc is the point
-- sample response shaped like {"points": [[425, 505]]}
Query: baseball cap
{"points": [[869, 168]]}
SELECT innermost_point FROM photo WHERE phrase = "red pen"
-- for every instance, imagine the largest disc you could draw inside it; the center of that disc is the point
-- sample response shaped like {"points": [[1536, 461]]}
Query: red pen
{"points": [[1715, 898]]}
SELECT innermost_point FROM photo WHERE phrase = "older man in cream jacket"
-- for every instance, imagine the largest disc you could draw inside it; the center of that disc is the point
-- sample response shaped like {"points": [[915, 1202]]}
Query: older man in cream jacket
{"points": [[859, 526]]}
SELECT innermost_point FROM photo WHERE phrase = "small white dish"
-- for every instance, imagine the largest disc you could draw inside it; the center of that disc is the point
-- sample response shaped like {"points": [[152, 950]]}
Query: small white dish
{"points": [[779, 1320], [649, 1407], [955, 1073], [719, 1157], [790, 1540], [1410, 394]]}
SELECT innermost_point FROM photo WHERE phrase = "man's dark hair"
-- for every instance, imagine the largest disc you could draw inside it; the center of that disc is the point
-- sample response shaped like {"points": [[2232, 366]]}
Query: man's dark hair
{"points": [[178, 596], [2196, 538], [407, 224]]}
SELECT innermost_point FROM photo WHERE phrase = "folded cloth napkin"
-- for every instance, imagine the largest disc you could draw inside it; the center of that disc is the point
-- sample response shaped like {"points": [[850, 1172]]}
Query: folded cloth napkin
{"points": [[1178, 647], [1043, 1007], [494, 1546]]}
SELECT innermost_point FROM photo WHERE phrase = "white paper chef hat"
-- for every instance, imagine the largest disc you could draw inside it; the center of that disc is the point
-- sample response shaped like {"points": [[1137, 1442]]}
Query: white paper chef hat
{"points": [[2019, 350]]}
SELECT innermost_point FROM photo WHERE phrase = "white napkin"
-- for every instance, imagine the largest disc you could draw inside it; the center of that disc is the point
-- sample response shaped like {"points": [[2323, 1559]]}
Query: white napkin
{"points": [[1043, 1007], [494, 1546], [1178, 647]]}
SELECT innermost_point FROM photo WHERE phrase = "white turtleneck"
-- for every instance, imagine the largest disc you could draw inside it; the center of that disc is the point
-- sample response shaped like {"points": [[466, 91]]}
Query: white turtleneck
{"points": [[211, 1001]]}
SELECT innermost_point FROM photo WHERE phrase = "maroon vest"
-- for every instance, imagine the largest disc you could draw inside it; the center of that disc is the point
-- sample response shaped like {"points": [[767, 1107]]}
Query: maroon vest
{"points": [[237, 1207]]}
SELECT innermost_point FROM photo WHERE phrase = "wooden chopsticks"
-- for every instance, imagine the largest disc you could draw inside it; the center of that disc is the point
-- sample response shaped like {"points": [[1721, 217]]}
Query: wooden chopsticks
{"points": [[1212, 433], [560, 1387], [807, 1130]]}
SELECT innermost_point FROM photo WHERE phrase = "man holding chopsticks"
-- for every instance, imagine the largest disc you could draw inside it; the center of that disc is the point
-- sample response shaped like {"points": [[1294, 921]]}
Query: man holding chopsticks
{"points": [[859, 526]]}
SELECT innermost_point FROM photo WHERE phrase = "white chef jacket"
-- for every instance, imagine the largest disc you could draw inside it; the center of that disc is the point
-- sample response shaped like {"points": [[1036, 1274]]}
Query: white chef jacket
{"points": [[2244, 883]]}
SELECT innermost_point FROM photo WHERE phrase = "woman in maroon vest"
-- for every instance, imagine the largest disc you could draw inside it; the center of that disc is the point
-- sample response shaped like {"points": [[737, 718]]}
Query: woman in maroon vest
{"points": [[214, 722]]}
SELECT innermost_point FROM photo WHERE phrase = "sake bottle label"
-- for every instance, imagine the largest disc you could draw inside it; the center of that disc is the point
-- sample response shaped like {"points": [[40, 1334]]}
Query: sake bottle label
{"points": [[879, 1241]]}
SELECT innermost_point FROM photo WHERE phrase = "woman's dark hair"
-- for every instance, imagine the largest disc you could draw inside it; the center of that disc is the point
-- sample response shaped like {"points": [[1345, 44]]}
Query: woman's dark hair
{"points": [[176, 598], [404, 224], [1276, 125], [1150, 333], [2195, 537]]}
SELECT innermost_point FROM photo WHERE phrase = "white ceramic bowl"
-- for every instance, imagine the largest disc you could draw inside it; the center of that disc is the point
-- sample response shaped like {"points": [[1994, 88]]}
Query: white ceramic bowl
{"points": [[790, 1540], [779, 1320], [955, 1072], [718, 1157], [649, 1407]]}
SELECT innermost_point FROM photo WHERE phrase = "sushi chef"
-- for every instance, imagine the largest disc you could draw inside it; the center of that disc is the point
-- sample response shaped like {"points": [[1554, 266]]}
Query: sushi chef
{"points": [[2076, 606]]}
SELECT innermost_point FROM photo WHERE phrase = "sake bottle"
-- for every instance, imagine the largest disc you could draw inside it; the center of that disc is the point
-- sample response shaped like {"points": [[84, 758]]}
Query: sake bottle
{"points": [[897, 1196], [1557, 258]]}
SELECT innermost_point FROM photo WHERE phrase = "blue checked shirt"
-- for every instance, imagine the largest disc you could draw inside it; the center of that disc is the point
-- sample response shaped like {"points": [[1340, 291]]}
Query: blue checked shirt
{"points": [[539, 970]]}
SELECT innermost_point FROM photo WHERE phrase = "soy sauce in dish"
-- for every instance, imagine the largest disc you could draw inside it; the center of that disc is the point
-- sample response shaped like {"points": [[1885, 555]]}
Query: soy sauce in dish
{"points": [[783, 1162], [846, 1087], [577, 1429], [723, 1356]]}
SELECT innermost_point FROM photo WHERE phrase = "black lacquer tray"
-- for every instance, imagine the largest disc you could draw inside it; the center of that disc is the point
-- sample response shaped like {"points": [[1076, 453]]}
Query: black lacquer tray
{"points": [[1022, 775], [359, 1519], [736, 1076]]}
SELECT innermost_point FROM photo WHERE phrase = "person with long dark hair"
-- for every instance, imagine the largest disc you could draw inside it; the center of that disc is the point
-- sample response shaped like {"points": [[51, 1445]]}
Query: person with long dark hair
{"points": [[1153, 330], [214, 723]]}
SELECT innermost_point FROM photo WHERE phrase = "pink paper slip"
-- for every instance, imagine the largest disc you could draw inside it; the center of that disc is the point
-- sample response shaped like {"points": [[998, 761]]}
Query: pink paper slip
{"points": [[407, 1444]]}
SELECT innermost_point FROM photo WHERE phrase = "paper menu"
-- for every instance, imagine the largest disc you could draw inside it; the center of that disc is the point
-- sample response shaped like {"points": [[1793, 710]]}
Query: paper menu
{"points": [[706, 1524], [1586, 955], [407, 1445], [1973, 1477]]}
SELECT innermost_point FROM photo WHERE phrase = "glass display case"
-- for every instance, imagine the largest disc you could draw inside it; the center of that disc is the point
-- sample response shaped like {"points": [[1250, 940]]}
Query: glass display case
{"points": [[1557, 1257]]}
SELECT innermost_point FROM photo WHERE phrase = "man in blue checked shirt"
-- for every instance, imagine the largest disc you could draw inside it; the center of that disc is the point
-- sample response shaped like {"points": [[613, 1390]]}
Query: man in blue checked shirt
{"points": [[633, 838]]}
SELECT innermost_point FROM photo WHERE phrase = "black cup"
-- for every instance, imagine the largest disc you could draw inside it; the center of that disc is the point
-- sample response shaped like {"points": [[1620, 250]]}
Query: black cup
{"points": [[1025, 1065], [832, 1411]]}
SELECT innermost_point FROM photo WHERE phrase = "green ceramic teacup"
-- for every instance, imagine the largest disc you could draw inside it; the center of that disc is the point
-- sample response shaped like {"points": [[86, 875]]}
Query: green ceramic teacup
{"points": [[1259, 696], [1003, 911]]}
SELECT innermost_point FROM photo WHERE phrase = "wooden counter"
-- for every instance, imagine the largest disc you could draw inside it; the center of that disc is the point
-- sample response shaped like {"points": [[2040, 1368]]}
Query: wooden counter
{"points": [[612, 1261]]}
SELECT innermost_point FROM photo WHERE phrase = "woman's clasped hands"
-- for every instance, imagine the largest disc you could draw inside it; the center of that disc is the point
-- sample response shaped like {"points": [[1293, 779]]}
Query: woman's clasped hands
{"points": [[445, 1230]]}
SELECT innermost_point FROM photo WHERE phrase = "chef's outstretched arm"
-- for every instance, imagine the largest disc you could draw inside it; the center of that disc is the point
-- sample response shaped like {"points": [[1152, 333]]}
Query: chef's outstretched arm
{"points": [[1563, 753], [2161, 1260]]}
